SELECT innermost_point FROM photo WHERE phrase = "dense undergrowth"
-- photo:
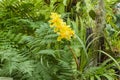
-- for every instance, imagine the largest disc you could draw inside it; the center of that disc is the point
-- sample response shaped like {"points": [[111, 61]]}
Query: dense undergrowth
{"points": [[29, 49]]}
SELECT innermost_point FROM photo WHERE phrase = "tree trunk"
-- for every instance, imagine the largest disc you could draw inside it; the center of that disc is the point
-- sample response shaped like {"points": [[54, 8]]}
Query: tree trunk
{"points": [[100, 24]]}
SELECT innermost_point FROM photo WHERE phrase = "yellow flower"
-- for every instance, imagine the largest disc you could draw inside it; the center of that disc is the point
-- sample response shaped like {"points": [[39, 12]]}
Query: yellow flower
{"points": [[64, 31], [55, 15], [55, 20]]}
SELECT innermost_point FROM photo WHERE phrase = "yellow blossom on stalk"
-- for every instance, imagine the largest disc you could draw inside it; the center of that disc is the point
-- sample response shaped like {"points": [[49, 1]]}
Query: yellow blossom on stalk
{"points": [[55, 19], [64, 31]]}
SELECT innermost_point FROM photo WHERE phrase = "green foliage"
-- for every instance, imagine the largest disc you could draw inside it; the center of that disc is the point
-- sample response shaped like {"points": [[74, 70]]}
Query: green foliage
{"points": [[12, 60], [53, 62], [29, 49]]}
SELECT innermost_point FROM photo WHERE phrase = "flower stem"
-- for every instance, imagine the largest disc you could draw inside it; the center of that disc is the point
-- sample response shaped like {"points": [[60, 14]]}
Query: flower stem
{"points": [[75, 57]]}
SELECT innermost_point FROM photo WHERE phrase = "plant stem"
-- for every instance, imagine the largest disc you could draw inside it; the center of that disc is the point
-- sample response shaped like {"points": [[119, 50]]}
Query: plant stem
{"points": [[75, 57]]}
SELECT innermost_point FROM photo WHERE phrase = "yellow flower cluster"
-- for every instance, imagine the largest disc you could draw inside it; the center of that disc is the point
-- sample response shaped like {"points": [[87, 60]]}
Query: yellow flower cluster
{"points": [[64, 31]]}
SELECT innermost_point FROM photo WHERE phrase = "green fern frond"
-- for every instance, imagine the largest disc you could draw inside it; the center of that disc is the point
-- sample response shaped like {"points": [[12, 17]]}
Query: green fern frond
{"points": [[11, 61]]}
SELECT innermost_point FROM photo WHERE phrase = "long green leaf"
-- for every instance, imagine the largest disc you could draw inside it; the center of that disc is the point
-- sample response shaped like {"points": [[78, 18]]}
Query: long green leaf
{"points": [[83, 46], [117, 64]]}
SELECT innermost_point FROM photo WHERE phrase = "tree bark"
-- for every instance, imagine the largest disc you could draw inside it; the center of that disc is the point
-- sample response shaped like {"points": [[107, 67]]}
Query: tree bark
{"points": [[99, 29]]}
